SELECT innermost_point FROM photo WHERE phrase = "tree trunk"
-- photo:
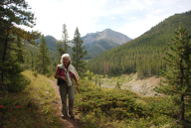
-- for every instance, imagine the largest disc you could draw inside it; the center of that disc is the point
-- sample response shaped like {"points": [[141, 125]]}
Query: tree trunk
{"points": [[182, 108], [4, 57]]}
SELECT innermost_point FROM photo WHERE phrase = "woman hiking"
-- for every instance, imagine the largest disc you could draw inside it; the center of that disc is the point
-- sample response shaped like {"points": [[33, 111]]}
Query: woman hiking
{"points": [[65, 75]]}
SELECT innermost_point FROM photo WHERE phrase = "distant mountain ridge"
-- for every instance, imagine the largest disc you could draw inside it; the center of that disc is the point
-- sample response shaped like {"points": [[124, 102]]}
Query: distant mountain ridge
{"points": [[107, 34], [96, 43], [50, 41]]}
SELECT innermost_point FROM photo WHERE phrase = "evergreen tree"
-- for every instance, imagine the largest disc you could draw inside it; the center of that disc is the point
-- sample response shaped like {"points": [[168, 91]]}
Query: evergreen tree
{"points": [[60, 49], [30, 60], [12, 14], [62, 46], [78, 52], [20, 55], [43, 60], [65, 38], [30, 52], [178, 70]]}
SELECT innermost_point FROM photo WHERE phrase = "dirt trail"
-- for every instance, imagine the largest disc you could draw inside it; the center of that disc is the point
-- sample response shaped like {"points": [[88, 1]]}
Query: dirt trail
{"points": [[67, 123]]}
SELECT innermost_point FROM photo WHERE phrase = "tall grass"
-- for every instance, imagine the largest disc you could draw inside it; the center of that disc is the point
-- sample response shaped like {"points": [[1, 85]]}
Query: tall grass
{"points": [[33, 107]]}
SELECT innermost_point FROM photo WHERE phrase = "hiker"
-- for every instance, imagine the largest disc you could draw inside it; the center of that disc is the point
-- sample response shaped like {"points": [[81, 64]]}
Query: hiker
{"points": [[66, 76]]}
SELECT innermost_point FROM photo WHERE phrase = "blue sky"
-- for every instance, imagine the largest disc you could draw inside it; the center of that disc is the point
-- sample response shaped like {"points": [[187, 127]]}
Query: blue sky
{"points": [[130, 17]]}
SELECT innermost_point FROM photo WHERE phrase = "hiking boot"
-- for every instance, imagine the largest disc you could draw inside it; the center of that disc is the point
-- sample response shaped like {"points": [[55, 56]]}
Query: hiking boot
{"points": [[71, 114], [72, 117]]}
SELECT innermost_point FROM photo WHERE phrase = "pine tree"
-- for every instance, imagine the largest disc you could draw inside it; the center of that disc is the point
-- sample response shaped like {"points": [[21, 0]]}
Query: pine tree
{"points": [[78, 52], [60, 50], [20, 55], [62, 46], [43, 60], [178, 70], [65, 38], [12, 14]]}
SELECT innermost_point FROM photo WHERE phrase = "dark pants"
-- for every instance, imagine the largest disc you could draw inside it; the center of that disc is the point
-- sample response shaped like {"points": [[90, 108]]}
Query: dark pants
{"points": [[67, 93]]}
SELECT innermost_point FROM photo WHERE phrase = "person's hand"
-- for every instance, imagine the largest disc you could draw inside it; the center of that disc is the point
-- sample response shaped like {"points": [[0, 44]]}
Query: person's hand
{"points": [[77, 83], [62, 77]]}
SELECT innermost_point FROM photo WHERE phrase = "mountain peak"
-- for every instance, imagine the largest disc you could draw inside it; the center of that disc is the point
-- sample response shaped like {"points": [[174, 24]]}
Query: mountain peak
{"points": [[96, 43], [107, 30], [107, 34]]}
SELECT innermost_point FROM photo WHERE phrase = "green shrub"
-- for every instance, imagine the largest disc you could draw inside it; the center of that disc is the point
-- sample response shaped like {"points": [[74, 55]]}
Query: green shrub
{"points": [[123, 109]]}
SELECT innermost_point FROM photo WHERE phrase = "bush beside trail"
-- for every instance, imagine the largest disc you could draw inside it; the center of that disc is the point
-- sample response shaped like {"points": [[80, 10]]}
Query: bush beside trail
{"points": [[115, 108]]}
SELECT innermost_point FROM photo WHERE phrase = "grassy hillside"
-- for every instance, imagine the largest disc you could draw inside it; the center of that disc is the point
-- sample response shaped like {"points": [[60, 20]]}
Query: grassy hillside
{"points": [[143, 54], [33, 107]]}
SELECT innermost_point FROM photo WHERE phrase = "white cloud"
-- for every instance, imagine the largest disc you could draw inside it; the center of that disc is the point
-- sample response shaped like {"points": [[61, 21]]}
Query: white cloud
{"points": [[155, 12], [132, 17], [51, 15]]}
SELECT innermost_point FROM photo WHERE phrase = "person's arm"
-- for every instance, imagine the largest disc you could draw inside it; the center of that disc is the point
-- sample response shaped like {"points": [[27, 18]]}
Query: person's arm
{"points": [[76, 80], [77, 83]]}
